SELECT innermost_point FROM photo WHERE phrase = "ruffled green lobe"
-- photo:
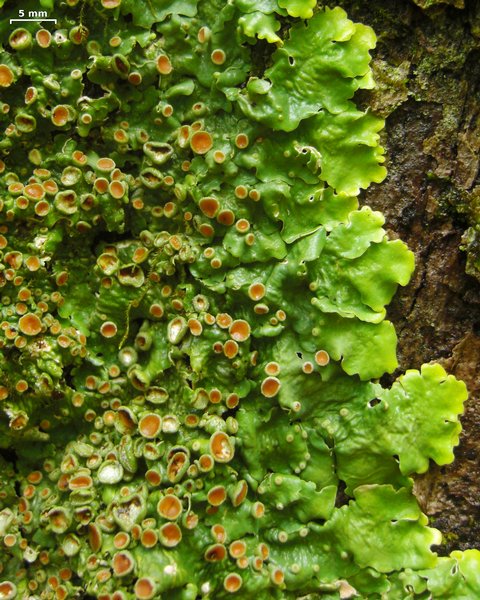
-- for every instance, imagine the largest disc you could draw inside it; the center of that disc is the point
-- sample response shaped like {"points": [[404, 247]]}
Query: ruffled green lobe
{"points": [[329, 48]]}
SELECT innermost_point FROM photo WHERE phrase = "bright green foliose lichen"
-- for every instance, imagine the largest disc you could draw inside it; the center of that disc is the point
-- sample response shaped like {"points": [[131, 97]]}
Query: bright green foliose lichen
{"points": [[193, 315]]}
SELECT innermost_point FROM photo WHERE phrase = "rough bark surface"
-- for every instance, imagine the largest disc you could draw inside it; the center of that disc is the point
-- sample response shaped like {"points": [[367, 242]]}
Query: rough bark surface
{"points": [[428, 73]]}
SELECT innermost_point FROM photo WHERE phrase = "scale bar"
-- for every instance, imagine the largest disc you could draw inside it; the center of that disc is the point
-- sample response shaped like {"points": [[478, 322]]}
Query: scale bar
{"points": [[35, 20]]}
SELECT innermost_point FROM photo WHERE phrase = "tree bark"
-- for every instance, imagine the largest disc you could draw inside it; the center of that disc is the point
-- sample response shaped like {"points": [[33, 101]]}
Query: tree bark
{"points": [[427, 70]]}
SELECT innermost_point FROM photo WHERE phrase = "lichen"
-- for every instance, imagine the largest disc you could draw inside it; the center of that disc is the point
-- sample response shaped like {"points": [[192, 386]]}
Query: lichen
{"points": [[194, 316]]}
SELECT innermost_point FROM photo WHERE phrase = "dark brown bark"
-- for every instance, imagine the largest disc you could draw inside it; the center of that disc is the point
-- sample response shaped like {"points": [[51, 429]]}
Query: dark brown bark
{"points": [[427, 66]]}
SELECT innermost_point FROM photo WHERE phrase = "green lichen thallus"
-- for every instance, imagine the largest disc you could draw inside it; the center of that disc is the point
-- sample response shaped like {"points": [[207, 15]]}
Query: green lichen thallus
{"points": [[193, 314]]}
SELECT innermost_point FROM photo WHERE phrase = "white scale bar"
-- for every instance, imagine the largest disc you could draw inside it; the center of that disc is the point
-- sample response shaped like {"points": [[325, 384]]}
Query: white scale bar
{"points": [[36, 20]]}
